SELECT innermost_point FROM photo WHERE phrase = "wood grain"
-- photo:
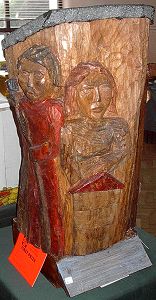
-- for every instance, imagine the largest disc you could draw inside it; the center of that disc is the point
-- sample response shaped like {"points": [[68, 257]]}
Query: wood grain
{"points": [[93, 221]]}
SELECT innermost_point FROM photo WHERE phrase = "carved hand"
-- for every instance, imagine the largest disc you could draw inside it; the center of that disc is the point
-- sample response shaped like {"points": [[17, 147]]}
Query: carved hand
{"points": [[15, 94]]}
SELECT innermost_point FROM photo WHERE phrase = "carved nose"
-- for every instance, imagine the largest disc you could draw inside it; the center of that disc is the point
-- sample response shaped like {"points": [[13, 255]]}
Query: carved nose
{"points": [[97, 96], [30, 80]]}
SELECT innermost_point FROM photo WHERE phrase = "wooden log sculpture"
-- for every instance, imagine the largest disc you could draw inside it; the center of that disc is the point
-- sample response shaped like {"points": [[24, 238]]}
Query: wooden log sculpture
{"points": [[76, 84]]}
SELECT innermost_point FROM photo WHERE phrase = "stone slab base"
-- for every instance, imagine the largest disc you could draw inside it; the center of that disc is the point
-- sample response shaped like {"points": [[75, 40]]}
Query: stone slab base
{"points": [[83, 273]]}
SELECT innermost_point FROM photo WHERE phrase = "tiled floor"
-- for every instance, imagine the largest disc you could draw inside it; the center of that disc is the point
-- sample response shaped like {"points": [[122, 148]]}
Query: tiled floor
{"points": [[146, 216]]}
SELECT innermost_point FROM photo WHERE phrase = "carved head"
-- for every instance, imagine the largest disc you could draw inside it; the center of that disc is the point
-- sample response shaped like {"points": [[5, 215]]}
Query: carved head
{"points": [[38, 72], [90, 90]]}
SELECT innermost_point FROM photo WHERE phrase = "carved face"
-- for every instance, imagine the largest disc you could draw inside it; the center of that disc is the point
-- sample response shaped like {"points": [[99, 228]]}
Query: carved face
{"points": [[34, 80], [94, 95]]}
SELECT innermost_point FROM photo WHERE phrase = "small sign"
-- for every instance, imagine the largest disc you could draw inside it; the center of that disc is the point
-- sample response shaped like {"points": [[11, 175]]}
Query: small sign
{"points": [[27, 259]]}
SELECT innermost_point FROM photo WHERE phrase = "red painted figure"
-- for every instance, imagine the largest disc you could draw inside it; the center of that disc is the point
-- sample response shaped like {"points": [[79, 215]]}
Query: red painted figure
{"points": [[39, 120]]}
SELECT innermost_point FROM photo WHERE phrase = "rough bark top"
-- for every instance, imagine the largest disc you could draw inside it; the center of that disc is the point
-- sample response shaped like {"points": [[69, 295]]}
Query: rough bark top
{"points": [[82, 14]]}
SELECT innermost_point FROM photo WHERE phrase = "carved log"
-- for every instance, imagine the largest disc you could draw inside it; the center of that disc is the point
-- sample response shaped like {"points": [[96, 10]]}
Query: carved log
{"points": [[76, 89]]}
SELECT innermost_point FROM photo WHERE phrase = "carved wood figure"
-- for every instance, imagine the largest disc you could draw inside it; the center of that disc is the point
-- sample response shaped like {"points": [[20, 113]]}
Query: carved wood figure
{"points": [[39, 120], [92, 147], [77, 82]]}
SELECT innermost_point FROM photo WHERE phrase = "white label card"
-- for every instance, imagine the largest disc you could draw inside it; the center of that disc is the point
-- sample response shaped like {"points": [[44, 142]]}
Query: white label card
{"points": [[68, 280]]}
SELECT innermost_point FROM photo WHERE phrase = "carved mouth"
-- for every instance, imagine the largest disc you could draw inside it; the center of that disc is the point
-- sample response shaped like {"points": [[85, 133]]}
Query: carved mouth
{"points": [[97, 109], [31, 93]]}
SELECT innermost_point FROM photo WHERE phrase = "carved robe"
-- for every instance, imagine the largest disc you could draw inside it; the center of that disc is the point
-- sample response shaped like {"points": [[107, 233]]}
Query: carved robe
{"points": [[91, 152], [39, 210], [91, 148]]}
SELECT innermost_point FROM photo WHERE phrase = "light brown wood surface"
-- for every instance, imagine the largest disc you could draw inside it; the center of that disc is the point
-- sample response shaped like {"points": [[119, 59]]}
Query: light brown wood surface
{"points": [[96, 220]]}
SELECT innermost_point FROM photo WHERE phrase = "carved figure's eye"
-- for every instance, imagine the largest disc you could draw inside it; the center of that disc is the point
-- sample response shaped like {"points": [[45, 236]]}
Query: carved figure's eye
{"points": [[23, 72], [85, 91], [38, 75], [105, 88], [89, 87]]}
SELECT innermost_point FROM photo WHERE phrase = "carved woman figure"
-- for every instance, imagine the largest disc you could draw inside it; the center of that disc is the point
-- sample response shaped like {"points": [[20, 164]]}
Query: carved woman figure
{"points": [[94, 138], [39, 119], [94, 142]]}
